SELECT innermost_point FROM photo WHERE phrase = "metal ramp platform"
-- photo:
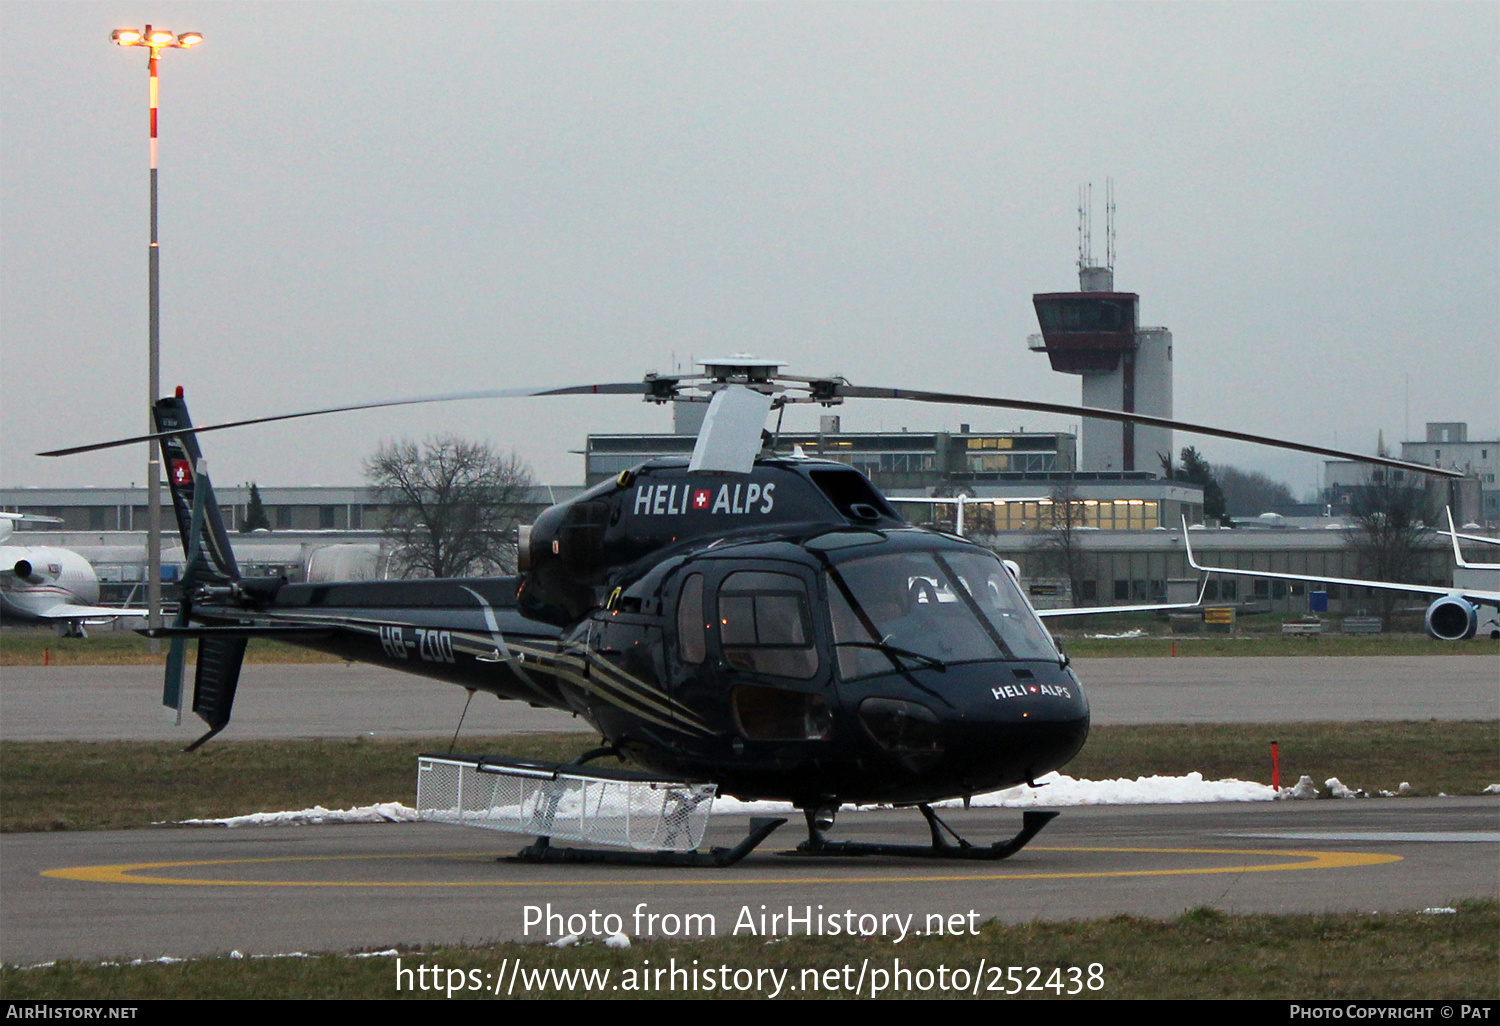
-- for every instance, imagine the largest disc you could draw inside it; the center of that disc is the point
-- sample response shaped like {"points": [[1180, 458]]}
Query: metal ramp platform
{"points": [[618, 808]]}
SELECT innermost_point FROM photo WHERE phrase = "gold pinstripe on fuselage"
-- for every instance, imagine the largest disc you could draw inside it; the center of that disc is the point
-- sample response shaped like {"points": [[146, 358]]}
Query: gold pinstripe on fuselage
{"points": [[577, 666]]}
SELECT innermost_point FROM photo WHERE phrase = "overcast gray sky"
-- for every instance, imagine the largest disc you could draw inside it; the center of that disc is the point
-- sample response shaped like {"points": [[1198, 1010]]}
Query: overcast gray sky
{"points": [[364, 200]]}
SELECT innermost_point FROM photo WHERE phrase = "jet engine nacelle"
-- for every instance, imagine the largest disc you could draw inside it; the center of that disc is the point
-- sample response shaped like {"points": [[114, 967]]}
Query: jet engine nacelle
{"points": [[26, 572], [1452, 619]]}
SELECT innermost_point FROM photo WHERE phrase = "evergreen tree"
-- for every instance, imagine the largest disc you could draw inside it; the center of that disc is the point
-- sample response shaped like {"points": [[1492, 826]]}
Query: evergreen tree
{"points": [[255, 513], [1197, 470]]}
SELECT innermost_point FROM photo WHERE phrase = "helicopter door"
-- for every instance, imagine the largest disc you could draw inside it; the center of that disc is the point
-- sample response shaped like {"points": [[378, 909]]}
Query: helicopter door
{"points": [[768, 652]]}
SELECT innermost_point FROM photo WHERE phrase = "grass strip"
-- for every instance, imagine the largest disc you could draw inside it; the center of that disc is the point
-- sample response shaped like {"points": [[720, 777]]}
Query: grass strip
{"points": [[115, 785], [71, 785], [1435, 757], [40, 646], [1203, 953]]}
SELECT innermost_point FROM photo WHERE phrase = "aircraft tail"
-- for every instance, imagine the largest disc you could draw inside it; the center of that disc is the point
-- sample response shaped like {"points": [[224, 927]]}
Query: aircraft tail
{"points": [[210, 561], [186, 479]]}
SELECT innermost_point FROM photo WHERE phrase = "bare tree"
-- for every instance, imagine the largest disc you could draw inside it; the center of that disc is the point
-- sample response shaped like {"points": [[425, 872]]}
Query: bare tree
{"points": [[1249, 493], [1390, 540], [453, 505], [1057, 547]]}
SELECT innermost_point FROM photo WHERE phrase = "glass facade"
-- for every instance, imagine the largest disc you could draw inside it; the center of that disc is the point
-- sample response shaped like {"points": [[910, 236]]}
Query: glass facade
{"points": [[889, 459], [1085, 514]]}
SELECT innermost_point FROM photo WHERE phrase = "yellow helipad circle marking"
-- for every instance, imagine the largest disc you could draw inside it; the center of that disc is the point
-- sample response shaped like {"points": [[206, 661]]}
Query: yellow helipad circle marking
{"points": [[133, 872]]}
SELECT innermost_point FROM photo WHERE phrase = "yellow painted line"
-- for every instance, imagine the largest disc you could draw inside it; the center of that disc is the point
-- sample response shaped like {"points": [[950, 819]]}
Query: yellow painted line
{"points": [[132, 872]]}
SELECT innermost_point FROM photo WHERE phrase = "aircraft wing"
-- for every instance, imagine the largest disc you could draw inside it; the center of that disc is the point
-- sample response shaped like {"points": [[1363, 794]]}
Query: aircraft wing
{"points": [[1458, 556], [74, 611], [1159, 607], [1472, 596], [1048, 614]]}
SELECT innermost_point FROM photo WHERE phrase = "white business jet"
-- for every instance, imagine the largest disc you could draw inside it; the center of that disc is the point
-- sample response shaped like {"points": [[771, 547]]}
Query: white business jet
{"points": [[40, 583]]}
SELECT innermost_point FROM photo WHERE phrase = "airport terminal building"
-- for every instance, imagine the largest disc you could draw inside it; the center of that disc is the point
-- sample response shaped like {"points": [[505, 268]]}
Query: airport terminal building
{"points": [[1127, 532]]}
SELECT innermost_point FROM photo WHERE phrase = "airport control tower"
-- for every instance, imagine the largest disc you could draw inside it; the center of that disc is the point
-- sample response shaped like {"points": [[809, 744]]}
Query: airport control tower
{"points": [[1094, 333]]}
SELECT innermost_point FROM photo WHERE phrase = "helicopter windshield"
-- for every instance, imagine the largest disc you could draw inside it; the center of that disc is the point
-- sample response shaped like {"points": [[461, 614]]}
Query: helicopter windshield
{"points": [[930, 608]]}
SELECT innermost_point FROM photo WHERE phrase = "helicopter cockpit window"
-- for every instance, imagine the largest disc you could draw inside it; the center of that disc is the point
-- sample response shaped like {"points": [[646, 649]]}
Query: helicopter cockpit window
{"points": [[691, 631], [912, 609], [764, 625]]}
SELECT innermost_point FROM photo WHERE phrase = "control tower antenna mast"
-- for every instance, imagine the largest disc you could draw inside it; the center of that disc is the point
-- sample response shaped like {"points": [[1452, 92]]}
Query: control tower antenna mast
{"points": [[1085, 227], [1109, 224]]}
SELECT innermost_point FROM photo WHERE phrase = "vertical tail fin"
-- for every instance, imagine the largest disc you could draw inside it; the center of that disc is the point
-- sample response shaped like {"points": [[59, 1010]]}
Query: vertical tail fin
{"points": [[180, 454], [219, 662], [210, 560]]}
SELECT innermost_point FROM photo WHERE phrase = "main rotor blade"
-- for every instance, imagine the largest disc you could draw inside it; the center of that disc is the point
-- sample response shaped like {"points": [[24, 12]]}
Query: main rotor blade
{"points": [[954, 399], [612, 388]]}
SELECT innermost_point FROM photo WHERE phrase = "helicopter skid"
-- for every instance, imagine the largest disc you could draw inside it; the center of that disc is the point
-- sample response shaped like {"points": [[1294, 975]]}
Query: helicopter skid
{"points": [[1032, 823], [542, 851]]}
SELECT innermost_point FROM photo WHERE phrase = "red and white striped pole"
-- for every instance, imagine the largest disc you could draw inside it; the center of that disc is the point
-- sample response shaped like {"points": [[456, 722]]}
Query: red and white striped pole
{"points": [[154, 53], [153, 388], [155, 40]]}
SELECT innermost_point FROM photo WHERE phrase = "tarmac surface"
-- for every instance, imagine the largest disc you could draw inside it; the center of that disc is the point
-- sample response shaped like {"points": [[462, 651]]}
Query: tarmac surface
{"points": [[266, 890], [259, 890], [289, 700]]}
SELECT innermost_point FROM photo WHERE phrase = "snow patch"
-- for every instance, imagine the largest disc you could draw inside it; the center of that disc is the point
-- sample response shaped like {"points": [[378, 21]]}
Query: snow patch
{"points": [[1058, 789], [1305, 789], [383, 812], [1053, 790], [1338, 789]]}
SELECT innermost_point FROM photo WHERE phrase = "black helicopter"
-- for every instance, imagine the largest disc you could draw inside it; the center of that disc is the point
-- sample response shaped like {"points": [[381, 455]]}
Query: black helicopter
{"points": [[767, 623]]}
